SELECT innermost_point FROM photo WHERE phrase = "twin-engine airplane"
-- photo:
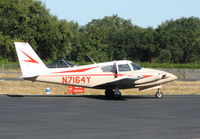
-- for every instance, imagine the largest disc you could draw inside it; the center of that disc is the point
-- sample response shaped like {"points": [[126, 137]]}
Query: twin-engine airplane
{"points": [[110, 76]]}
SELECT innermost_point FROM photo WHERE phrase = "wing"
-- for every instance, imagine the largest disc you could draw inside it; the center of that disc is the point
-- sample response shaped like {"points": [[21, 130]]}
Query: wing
{"points": [[150, 87], [126, 82], [123, 82]]}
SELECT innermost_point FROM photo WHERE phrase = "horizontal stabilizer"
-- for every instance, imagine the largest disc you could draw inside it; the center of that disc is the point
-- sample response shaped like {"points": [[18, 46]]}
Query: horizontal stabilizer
{"points": [[31, 78]]}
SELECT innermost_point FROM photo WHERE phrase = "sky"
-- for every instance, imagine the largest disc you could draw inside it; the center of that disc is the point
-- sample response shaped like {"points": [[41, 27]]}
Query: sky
{"points": [[143, 13]]}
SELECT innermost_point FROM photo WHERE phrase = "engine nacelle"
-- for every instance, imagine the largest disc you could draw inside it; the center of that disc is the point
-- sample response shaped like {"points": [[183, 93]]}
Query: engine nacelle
{"points": [[148, 79]]}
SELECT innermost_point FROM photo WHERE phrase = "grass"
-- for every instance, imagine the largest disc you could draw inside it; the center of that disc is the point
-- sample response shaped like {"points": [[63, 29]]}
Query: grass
{"points": [[38, 88], [9, 65]]}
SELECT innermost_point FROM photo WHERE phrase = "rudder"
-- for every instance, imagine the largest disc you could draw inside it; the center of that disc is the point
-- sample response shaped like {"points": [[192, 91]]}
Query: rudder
{"points": [[30, 63]]}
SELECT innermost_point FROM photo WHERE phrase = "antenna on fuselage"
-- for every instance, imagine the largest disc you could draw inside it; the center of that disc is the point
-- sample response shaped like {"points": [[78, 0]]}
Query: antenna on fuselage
{"points": [[91, 59]]}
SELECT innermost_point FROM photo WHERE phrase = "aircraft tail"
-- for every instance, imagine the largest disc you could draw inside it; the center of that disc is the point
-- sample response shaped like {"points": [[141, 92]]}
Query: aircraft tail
{"points": [[31, 65]]}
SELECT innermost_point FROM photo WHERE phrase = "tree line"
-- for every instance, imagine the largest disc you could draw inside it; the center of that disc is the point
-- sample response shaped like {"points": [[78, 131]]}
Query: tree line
{"points": [[109, 38]]}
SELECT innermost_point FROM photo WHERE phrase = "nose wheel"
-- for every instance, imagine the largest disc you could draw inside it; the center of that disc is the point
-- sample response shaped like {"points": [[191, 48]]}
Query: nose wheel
{"points": [[159, 94]]}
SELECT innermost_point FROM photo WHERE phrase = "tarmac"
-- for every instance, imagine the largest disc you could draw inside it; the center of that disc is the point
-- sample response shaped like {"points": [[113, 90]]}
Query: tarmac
{"points": [[96, 117]]}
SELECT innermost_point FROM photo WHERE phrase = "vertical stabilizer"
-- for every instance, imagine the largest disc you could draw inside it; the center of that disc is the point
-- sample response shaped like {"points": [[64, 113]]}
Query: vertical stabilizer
{"points": [[31, 65]]}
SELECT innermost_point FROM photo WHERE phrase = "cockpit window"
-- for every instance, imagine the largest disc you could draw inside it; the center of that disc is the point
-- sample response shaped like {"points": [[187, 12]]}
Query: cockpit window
{"points": [[135, 66], [124, 67], [108, 68]]}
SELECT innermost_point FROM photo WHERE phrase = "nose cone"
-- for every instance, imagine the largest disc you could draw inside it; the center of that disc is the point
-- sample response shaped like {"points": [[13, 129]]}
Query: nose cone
{"points": [[171, 77]]}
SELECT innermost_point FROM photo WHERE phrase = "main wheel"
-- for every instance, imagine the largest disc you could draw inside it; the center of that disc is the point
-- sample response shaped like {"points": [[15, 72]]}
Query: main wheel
{"points": [[118, 94], [159, 94], [109, 93]]}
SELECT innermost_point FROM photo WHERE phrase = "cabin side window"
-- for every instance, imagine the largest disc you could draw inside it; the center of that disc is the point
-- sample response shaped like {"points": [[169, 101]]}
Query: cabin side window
{"points": [[109, 68], [124, 67]]}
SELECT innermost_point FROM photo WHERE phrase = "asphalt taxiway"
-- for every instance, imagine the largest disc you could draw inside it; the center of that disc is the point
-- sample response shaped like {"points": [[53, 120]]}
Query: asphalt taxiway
{"points": [[96, 117]]}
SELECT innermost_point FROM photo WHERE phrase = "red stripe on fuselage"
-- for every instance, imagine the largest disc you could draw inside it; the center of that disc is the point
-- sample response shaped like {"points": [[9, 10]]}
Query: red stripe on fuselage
{"points": [[86, 75], [146, 76], [77, 70]]}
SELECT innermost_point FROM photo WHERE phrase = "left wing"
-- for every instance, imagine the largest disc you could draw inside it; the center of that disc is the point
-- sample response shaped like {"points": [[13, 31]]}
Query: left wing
{"points": [[150, 87], [129, 81], [122, 82]]}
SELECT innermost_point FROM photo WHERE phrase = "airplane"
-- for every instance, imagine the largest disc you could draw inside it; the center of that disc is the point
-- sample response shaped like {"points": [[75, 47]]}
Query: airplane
{"points": [[111, 76]]}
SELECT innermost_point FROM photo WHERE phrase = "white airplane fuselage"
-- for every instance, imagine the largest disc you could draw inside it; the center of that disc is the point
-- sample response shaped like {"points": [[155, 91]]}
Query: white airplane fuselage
{"points": [[92, 76]]}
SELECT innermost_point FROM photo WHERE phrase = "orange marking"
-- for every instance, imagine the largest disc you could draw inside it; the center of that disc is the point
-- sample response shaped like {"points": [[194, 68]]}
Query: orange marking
{"points": [[30, 58]]}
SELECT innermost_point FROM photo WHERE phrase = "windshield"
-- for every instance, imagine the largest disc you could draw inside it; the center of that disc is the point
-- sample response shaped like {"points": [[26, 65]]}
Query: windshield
{"points": [[135, 66]]}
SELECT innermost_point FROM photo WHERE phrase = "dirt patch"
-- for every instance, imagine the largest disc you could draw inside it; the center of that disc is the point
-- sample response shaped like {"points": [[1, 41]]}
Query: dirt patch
{"points": [[38, 88]]}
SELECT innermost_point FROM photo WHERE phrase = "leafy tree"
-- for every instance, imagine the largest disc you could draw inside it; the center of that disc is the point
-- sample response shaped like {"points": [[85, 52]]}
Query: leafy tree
{"points": [[30, 20], [181, 38], [165, 56], [109, 38]]}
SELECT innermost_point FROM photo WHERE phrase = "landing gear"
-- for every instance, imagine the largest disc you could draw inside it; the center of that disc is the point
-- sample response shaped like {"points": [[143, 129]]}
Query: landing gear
{"points": [[159, 94], [114, 94], [117, 93], [109, 93]]}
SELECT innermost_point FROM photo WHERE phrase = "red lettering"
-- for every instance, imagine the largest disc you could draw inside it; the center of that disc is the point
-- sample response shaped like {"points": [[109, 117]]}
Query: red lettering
{"points": [[88, 79], [77, 79], [74, 79], [64, 80], [83, 79], [70, 79]]}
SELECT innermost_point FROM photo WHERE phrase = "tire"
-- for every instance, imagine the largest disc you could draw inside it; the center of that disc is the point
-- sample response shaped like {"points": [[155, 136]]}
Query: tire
{"points": [[117, 95], [159, 94], [109, 93]]}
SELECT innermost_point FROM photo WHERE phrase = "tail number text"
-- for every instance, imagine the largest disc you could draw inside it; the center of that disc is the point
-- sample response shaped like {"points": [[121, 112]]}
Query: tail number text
{"points": [[75, 79]]}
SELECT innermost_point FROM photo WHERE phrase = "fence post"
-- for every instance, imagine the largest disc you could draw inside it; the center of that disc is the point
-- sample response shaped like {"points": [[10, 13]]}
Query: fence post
{"points": [[3, 68], [186, 74]]}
